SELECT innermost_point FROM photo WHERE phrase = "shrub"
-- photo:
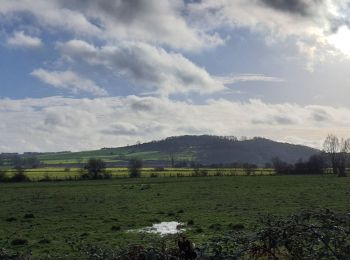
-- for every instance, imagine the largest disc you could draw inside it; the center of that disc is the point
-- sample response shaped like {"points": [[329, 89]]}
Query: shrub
{"points": [[198, 230], [19, 242], [44, 241], [28, 215], [115, 228], [215, 226], [134, 168], [190, 222], [3, 176], [236, 226], [307, 235], [171, 214], [11, 219], [19, 176], [95, 169], [154, 175]]}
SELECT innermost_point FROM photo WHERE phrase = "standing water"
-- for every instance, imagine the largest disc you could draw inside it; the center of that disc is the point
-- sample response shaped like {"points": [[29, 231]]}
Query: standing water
{"points": [[164, 228]]}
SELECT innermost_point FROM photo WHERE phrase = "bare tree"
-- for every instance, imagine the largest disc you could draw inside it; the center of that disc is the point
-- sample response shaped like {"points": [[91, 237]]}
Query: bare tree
{"points": [[343, 156], [338, 152], [331, 147]]}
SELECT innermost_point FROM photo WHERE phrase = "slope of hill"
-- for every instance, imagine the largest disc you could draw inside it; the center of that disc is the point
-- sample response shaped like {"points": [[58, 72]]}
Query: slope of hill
{"points": [[203, 149]]}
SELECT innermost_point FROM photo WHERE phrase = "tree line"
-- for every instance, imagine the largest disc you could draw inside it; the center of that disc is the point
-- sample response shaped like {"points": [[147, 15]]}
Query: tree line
{"points": [[335, 155]]}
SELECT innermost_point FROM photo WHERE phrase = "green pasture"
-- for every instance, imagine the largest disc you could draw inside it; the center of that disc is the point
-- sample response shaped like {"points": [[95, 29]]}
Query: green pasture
{"points": [[111, 155], [49, 215]]}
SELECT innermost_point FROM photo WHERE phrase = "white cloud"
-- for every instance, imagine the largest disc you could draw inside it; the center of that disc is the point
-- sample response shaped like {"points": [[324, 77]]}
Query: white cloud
{"points": [[20, 39], [143, 64], [56, 123], [232, 79], [341, 40], [280, 18], [183, 25], [152, 21], [312, 21], [68, 80], [49, 14]]}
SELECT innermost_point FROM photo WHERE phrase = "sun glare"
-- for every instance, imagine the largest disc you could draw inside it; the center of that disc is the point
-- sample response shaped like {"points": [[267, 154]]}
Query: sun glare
{"points": [[341, 40]]}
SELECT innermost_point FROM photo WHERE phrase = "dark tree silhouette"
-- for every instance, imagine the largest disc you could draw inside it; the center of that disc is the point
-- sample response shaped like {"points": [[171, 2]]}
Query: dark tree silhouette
{"points": [[20, 175], [338, 153], [135, 166], [95, 169]]}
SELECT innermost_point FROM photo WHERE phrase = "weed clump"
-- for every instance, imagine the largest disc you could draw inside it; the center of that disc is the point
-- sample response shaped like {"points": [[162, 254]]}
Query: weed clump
{"points": [[19, 242], [11, 219], [190, 222], [115, 228], [236, 227], [198, 230], [44, 241], [154, 220], [215, 227], [145, 187], [28, 215], [171, 214]]}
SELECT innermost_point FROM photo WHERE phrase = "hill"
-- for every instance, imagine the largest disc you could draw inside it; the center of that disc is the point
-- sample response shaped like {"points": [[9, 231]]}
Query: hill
{"points": [[204, 149]]}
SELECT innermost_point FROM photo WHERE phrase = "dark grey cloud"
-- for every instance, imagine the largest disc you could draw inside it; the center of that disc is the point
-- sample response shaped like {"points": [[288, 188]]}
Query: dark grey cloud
{"points": [[127, 129], [124, 11], [157, 22], [275, 120], [121, 129], [143, 105], [284, 120], [296, 7], [320, 115], [146, 65]]}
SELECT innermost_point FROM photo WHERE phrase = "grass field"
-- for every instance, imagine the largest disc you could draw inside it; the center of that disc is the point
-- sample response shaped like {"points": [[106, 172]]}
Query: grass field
{"points": [[102, 212], [122, 154]]}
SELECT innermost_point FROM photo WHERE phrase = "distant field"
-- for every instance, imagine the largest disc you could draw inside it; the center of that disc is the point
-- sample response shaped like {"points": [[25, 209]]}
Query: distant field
{"points": [[110, 155], [60, 173], [103, 212]]}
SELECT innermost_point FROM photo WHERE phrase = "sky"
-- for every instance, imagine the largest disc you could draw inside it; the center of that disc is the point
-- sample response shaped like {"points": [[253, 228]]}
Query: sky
{"points": [[86, 74]]}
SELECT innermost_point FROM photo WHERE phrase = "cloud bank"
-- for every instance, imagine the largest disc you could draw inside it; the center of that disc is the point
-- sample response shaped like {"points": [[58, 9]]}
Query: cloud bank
{"points": [[57, 123]]}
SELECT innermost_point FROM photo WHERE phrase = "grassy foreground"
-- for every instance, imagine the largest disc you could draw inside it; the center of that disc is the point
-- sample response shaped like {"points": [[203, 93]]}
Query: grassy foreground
{"points": [[48, 215]]}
